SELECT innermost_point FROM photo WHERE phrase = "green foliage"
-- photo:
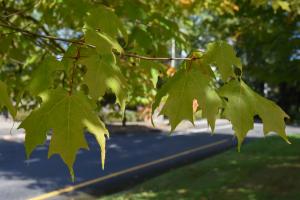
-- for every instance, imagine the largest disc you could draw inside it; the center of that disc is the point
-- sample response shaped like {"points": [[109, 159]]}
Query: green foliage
{"points": [[103, 74], [142, 77], [240, 97], [42, 77], [223, 56], [267, 40], [66, 116], [5, 100], [185, 86], [72, 55], [240, 103], [105, 20], [290, 5]]}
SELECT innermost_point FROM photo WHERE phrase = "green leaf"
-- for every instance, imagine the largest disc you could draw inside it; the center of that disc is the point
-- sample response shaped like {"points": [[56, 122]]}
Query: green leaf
{"points": [[223, 56], [66, 116], [106, 21], [243, 104], [103, 74], [42, 76], [152, 70], [5, 42], [103, 42], [210, 106], [185, 86], [141, 38], [101, 29], [5, 99], [162, 93], [281, 4], [201, 64]]}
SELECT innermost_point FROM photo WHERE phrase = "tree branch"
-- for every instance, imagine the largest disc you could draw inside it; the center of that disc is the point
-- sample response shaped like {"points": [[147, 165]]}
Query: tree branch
{"points": [[44, 36], [57, 45], [79, 42], [22, 14]]}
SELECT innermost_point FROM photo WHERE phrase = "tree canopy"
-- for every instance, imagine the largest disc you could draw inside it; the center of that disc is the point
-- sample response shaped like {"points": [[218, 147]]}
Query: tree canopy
{"points": [[59, 59]]}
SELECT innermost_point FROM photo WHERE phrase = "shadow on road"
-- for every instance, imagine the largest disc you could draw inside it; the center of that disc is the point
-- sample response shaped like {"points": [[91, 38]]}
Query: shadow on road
{"points": [[38, 174]]}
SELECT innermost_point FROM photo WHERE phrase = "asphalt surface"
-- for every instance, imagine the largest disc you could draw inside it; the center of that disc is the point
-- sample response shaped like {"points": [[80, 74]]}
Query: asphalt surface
{"points": [[130, 158]]}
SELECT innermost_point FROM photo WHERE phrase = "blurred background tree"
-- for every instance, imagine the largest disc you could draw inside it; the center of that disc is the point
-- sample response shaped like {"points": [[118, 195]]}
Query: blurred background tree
{"points": [[267, 37]]}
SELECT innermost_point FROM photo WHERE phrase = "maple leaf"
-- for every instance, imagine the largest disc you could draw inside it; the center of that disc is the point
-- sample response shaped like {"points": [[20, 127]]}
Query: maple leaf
{"points": [[181, 89], [5, 100], [243, 104], [103, 42], [201, 64], [66, 116], [222, 55], [42, 76], [103, 74], [104, 19], [101, 29]]}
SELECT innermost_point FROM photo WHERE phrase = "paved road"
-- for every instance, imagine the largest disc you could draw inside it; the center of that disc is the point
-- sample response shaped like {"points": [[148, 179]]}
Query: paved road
{"points": [[130, 158]]}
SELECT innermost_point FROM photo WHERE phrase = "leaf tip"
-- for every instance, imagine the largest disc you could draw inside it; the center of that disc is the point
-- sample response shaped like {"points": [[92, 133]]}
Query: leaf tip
{"points": [[71, 170], [240, 142], [152, 121], [102, 159], [287, 140], [172, 129], [212, 128], [239, 148]]}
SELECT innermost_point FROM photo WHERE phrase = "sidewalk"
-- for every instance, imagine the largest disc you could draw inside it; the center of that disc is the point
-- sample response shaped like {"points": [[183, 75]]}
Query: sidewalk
{"points": [[9, 131]]}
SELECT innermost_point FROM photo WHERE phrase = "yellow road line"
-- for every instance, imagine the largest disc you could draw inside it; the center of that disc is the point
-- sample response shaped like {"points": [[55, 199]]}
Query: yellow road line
{"points": [[131, 169]]}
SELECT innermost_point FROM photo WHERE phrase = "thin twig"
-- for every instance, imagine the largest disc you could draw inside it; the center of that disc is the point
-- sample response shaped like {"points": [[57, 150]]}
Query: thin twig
{"points": [[71, 81], [156, 58], [35, 21], [17, 12], [28, 34], [21, 13], [45, 36], [79, 42]]}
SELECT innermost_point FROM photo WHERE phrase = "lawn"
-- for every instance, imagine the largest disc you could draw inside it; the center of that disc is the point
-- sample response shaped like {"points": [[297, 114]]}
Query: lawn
{"points": [[265, 169]]}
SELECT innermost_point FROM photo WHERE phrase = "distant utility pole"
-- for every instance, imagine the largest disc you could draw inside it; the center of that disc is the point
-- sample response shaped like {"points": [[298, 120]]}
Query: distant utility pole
{"points": [[173, 52]]}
